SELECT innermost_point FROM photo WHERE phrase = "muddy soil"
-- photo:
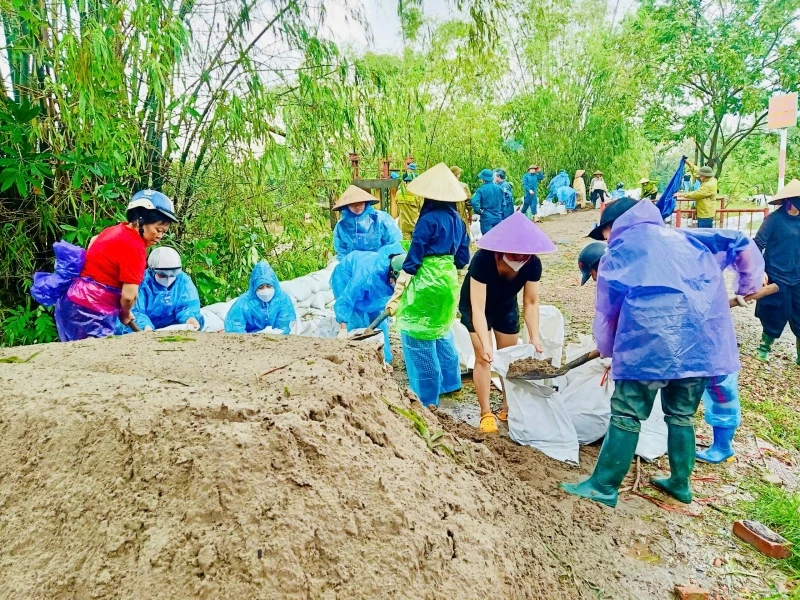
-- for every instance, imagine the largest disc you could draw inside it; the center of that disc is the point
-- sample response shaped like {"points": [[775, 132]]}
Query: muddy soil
{"points": [[531, 366], [258, 467], [661, 542]]}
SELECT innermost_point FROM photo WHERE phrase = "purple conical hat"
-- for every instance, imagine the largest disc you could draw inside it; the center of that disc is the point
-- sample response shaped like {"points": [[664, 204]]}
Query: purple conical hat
{"points": [[517, 235]]}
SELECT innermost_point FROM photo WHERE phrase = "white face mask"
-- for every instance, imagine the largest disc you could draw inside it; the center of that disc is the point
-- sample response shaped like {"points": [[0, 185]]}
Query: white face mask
{"points": [[266, 294], [516, 265], [165, 281]]}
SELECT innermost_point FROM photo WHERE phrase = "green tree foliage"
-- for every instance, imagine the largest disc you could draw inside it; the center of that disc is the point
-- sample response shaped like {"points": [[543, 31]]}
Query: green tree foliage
{"points": [[711, 67], [572, 100]]}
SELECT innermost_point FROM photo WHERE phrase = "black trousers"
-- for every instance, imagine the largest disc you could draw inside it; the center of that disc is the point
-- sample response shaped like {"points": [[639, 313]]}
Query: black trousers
{"points": [[778, 309]]}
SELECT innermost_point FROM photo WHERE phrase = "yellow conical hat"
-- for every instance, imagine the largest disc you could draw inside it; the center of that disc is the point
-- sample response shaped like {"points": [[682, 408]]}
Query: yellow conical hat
{"points": [[438, 183]]}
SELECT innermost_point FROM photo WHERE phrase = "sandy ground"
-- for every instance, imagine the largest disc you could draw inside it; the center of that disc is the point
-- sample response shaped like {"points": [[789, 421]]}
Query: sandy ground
{"points": [[668, 541], [222, 466]]}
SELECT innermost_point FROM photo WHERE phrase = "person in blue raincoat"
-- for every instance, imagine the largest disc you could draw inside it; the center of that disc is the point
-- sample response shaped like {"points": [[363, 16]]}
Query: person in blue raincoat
{"points": [[530, 189], [488, 201], [360, 226], [263, 305], [508, 192], [618, 192], [167, 296], [663, 314], [566, 195], [362, 285], [556, 182]]}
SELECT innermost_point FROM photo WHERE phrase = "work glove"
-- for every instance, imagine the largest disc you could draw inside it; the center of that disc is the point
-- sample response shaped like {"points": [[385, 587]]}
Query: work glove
{"points": [[399, 287], [741, 301]]}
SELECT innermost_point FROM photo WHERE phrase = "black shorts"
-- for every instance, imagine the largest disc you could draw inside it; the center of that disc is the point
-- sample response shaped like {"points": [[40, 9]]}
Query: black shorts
{"points": [[502, 322]]}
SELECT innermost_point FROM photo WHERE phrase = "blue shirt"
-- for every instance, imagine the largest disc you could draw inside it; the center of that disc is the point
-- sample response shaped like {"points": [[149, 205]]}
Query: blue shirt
{"points": [[530, 182], [439, 232], [487, 201], [508, 199]]}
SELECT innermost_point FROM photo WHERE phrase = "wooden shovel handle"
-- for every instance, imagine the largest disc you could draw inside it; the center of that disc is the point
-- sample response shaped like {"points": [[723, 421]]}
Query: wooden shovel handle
{"points": [[767, 290]]}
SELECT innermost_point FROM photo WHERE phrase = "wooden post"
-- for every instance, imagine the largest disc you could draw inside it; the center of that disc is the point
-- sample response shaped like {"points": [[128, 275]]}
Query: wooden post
{"points": [[678, 219], [354, 158]]}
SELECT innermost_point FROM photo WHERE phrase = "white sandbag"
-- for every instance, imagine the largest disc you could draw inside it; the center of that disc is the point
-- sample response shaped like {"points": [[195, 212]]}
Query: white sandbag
{"points": [[303, 328], [273, 331], [475, 229], [653, 437], [587, 398], [176, 327], [220, 308], [551, 330], [321, 299], [547, 209], [301, 304], [463, 343], [298, 289], [211, 320], [561, 209], [536, 414], [323, 278]]}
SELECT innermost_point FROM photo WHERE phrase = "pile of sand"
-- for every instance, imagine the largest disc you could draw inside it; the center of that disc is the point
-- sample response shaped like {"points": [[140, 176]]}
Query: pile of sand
{"points": [[133, 467]]}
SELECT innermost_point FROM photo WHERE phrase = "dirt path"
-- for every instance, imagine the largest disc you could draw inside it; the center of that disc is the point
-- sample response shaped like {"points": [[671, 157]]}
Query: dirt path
{"points": [[659, 545]]}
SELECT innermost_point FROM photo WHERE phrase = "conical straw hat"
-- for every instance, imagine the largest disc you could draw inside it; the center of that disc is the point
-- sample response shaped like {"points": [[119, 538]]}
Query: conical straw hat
{"points": [[790, 190], [517, 235], [644, 180], [579, 173], [438, 183], [354, 195]]}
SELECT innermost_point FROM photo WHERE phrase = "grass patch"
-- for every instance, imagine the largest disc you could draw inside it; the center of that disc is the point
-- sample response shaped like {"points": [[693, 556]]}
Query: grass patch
{"points": [[774, 421], [779, 510]]}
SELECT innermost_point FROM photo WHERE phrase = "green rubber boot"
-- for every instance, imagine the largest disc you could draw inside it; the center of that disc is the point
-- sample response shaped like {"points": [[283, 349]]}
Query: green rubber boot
{"points": [[612, 466], [681, 453], [764, 348]]}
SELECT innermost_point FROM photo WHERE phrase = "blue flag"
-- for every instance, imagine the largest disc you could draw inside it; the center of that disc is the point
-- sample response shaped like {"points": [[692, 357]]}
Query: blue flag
{"points": [[666, 204]]}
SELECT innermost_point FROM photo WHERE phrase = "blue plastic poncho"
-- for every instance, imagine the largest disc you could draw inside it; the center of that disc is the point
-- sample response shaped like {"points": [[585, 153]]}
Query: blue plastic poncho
{"points": [[360, 284], [157, 306], [368, 231], [566, 195], [662, 307], [721, 402], [47, 288], [250, 315], [556, 182]]}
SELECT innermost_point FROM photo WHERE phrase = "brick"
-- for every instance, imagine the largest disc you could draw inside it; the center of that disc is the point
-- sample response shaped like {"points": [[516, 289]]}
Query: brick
{"points": [[762, 539], [690, 592]]}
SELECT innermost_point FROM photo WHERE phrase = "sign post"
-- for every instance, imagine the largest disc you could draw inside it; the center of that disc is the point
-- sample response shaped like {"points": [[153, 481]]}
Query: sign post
{"points": [[782, 115]]}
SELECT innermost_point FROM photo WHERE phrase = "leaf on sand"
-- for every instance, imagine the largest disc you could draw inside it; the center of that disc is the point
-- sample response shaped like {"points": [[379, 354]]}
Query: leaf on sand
{"points": [[175, 338], [18, 360]]}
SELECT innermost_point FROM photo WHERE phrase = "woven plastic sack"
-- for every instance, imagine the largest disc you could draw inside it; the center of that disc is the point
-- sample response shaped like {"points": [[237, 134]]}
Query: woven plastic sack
{"points": [[47, 288], [428, 305], [536, 415]]}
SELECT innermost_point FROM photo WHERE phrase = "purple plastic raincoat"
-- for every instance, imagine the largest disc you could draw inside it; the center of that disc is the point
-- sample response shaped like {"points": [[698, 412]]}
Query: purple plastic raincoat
{"points": [[662, 307]]}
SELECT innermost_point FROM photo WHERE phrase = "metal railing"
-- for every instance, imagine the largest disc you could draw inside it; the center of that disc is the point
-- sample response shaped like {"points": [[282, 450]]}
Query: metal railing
{"points": [[726, 218]]}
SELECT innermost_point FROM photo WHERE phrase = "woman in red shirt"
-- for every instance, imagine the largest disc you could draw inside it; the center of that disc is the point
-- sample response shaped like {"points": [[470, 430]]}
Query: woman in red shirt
{"points": [[114, 268]]}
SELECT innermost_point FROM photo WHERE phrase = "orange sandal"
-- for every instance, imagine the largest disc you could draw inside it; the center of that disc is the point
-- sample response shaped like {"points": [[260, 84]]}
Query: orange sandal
{"points": [[502, 415], [488, 423]]}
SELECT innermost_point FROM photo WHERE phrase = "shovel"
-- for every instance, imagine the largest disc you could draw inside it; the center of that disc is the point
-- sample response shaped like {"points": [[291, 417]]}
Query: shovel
{"points": [[767, 290], [370, 331], [581, 360]]}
